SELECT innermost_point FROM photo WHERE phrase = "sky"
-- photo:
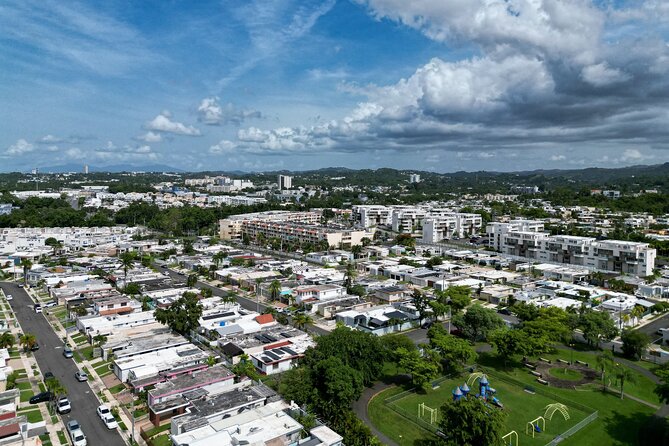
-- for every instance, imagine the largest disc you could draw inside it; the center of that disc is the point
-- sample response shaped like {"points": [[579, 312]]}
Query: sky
{"points": [[438, 85]]}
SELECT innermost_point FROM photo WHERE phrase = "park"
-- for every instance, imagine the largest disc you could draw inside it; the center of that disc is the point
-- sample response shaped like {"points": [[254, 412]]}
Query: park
{"points": [[549, 399]]}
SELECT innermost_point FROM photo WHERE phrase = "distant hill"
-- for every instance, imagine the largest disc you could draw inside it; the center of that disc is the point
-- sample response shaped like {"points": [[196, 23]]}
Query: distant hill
{"points": [[112, 168]]}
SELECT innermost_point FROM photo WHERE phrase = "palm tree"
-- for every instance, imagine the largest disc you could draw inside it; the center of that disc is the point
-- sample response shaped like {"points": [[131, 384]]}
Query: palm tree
{"points": [[349, 274], [623, 374], [356, 250], [27, 265], [7, 340], [127, 262], [275, 289], [56, 388], [218, 258], [604, 364], [301, 320], [28, 341], [211, 361], [638, 312]]}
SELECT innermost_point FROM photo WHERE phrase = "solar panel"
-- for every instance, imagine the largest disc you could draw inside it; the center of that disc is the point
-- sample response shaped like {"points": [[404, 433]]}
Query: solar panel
{"points": [[289, 351], [272, 355], [271, 338]]}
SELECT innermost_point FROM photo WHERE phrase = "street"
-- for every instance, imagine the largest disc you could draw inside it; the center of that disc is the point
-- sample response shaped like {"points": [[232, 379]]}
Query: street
{"points": [[651, 328], [50, 359]]}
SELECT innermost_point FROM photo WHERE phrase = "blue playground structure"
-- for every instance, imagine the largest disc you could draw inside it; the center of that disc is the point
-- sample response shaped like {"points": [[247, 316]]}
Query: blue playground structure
{"points": [[486, 392]]}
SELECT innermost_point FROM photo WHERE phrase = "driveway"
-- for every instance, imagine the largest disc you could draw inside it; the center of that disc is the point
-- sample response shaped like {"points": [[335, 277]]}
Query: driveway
{"points": [[50, 359]]}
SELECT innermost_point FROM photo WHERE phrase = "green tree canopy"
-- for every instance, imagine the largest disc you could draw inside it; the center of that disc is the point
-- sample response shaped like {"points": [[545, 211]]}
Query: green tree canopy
{"points": [[471, 422], [477, 322], [635, 344], [182, 315]]}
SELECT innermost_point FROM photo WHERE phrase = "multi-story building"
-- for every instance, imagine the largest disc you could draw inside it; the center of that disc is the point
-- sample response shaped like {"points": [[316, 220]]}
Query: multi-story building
{"points": [[408, 219], [231, 228], [525, 238], [372, 215], [301, 233], [436, 229], [414, 178], [285, 182]]}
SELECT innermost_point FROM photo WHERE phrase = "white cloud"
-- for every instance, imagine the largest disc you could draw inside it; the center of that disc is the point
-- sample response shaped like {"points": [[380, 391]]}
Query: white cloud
{"points": [[50, 139], [601, 75], [20, 147], [150, 137], [164, 123], [634, 155], [210, 112], [223, 146], [558, 158]]}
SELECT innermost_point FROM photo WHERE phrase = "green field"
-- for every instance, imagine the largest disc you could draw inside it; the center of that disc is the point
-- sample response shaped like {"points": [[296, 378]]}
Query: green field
{"points": [[619, 422], [520, 406]]}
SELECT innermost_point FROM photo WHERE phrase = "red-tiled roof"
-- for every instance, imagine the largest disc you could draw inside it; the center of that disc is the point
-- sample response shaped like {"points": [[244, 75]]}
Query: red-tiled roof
{"points": [[264, 319]]}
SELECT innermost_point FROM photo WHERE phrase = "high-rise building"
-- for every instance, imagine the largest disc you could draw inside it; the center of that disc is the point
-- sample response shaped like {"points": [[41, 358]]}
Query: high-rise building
{"points": [[414, 178], [285, 182], [86, 169]]}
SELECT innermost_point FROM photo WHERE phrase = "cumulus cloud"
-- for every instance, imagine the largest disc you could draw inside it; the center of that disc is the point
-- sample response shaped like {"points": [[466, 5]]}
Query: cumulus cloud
{"points": [[164, 123], [211, 112], [558, 158], [547, 74], [150, 137], [21, 147], [223, 146]]}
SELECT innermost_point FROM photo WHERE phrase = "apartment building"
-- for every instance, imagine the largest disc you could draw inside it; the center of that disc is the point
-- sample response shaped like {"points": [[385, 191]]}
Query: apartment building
{"points": [[231, 228], [525, 238], [285, 181], [301, 233], [369, 216], [407, 219], [455, 225]]}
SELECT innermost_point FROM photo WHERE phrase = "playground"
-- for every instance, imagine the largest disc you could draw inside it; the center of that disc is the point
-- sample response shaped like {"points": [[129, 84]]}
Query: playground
{"points": [[535, 417]]}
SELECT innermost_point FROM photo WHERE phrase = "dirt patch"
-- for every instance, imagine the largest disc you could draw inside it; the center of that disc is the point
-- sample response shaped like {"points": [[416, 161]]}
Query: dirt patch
{"points": [[589, 375]]}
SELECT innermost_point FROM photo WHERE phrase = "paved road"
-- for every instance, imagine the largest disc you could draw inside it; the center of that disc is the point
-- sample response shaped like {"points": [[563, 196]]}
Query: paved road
{"points": [[50, 359], [651, 328], [246, 303]]}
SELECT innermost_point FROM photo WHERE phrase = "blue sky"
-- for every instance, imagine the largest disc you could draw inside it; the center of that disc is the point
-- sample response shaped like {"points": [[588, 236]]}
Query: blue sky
{"points": [[438, 85]]}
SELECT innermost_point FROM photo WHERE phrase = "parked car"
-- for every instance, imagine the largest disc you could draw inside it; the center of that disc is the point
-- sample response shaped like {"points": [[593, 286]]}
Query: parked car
{"points": [[78, 438], [81, 376], [35, 347], [106, 417], [72, 425], [63, 405], [40, 398], [50, 304], [20, 285], [9, 297], [37, 308], [67, 352]]}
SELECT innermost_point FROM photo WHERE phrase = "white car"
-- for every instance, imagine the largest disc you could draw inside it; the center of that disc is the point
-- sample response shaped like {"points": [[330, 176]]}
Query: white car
{"points": [[64, 406], [106, 417], [78, 438], [10, 297]]}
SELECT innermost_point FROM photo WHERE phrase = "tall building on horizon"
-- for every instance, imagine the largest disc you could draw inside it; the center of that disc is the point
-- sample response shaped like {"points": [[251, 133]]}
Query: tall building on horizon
{"points": [[414, 178], [85, 169], [285, 182]]}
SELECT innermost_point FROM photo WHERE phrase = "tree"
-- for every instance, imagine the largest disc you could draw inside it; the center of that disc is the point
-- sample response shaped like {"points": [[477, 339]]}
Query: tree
{"points": [[182, 315], [434, 261], [623, 375], [79, 310], [637, 312], [146, 303], [455, 352], [349, 274], [27, 265], [127, 262], [635, 344], [596, 326], [421, 368], [604, 364], [132, 289], [458, 297], [662, 389], [301, 320], [98, 340], [245, 368], [27, 341], [337, 385], [191, 280], [471, 422], [356, 250], [54, 243], [438, 309], [477, 322], [219, 257], [509, 342], [7, 340], [275, 289], [419, 300]]}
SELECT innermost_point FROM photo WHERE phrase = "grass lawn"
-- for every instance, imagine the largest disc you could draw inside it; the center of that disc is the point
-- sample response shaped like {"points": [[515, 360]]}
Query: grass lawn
{"points": [[566, 374], [23, 386], [46, 440], [103, 370], [34, 416], [14, 354], [99, 364], [26, 395], [520, 406], [117, 388], [62, 438], [160, 440], [42, 387], [86, 352], [139, 413], [122, 425], [156, 430]]}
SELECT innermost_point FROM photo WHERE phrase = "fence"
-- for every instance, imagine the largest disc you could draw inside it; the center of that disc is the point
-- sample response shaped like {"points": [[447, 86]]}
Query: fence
{"points": [[577, 427]]}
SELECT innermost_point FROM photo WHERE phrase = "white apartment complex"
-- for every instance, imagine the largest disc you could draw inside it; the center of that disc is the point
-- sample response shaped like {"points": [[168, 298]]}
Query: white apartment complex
{"points": [[28, 239], [525, 238], [231, 228], [370, 216], [436, 229], [285, 182]]}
